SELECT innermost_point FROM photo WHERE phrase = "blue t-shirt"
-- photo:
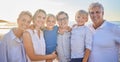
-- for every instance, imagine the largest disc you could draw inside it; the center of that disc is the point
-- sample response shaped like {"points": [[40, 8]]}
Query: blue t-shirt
{"points": [[51, 39]]}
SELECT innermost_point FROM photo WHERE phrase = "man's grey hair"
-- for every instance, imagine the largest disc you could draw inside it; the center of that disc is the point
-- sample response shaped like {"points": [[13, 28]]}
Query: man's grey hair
{"points": [[96, 4]]}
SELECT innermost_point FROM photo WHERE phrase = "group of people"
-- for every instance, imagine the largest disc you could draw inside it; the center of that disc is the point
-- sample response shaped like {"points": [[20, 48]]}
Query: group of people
{"points": [[49, 36]]}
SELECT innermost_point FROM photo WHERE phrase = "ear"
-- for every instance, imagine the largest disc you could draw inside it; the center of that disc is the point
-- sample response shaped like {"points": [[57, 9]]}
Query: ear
{"points": [[102, 12], [86, 19]]}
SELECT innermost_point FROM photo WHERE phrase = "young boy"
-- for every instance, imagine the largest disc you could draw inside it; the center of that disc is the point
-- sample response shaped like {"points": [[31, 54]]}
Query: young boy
{"points": [[81, 38], [50, 34]]}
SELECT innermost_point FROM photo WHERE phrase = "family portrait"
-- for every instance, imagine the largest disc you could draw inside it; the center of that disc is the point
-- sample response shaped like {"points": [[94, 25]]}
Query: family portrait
{"points": [[60, 31]]}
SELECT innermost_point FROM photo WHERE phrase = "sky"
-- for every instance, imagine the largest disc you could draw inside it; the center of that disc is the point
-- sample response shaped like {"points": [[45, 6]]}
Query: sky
{"points": [[10, 9]]}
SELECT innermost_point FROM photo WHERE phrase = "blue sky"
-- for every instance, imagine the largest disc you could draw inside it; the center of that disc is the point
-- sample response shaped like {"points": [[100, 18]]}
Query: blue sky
{"points": [[9, 9]]}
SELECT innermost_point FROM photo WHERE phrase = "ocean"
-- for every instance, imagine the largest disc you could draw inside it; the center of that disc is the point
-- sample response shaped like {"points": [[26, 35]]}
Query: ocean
{"points": [[5, 29]]}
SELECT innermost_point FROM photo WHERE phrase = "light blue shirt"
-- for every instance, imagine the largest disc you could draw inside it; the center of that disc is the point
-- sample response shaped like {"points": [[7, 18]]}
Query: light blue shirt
{"points": [[105, 41], [12, 49], [81, 38]]}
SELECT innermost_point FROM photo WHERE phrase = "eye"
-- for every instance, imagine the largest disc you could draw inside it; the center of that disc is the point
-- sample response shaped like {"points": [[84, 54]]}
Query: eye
{"points": [[43, 17], [97, 12], [23, 20], [78, 17], [91, 12], [29, 22]]}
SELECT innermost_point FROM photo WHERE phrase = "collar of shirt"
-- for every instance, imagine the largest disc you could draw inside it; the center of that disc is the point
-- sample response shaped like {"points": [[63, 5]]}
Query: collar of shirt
{"points": [[79, 26], [13, 37], [102, 26]]}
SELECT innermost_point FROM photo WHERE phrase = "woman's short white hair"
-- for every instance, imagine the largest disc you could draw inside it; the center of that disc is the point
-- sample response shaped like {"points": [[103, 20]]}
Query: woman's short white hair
{"points": [[25, 13], [96, 4]]}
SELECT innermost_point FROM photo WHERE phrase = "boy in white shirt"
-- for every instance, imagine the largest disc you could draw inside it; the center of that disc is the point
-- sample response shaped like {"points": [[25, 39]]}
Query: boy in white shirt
{"points": [[81, 38]]}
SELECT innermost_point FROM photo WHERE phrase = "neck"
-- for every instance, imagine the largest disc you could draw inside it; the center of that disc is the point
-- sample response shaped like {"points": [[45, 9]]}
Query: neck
{"points": [[38, 31], [81, 25], [37, 28], [96, 25], [50, 28], [65, 28], [18, 32]]}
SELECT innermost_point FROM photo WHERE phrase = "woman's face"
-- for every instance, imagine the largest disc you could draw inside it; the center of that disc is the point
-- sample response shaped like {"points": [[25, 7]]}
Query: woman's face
{"points": [[39, 19], [62, 20], [24, 22]]}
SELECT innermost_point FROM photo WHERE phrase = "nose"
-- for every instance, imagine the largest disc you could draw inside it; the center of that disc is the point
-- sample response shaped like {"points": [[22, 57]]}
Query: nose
{"points": [[26, 24]]}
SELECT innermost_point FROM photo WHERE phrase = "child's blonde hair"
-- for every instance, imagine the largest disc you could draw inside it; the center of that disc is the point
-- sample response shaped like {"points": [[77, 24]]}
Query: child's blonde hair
{"points": [[82, 12], [50, 15]]}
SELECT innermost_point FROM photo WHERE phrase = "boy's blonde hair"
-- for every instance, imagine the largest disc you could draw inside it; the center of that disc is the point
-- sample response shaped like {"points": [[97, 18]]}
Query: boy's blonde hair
{"points": [[50, 15], [25, 13], [82, 12]]}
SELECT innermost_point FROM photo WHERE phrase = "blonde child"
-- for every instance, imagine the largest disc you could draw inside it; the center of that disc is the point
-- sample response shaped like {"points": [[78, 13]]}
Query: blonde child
{"points": [[50, 34], [81, 38], [63, 39]]}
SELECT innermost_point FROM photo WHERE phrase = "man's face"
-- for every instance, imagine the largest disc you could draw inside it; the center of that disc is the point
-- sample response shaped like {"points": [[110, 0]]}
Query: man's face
{"points": [[96, 14], [62, 20]]}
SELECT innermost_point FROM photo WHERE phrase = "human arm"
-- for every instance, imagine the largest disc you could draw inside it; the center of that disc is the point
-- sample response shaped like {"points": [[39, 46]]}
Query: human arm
{"points": [[86, 55], [27, 41], [88, 45]]}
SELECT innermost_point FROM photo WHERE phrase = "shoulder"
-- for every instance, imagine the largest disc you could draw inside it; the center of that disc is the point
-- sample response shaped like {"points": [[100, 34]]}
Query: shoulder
{"points": [[55, 27], [27, 33], [87, 29], [112, 26], [8, 35]]}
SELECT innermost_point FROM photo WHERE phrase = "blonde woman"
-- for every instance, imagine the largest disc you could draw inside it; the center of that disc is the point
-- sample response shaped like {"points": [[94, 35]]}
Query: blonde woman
{"points": [[33, 39]]}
